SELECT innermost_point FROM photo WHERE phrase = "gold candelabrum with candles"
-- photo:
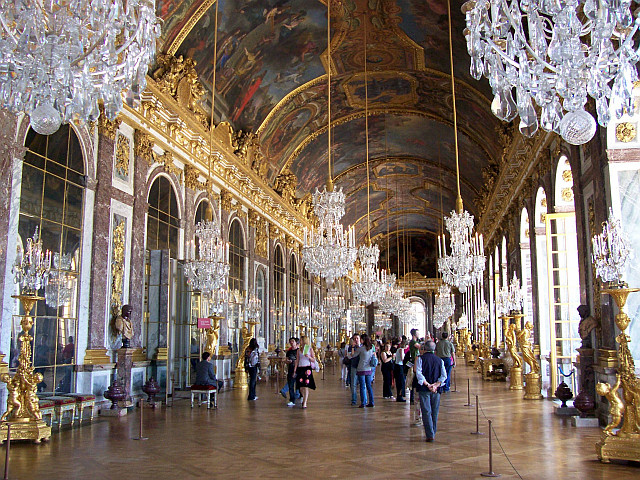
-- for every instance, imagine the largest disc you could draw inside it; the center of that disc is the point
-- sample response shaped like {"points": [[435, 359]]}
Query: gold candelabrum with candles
{"points": [[23, 410], [622, 444], [240, 380]]}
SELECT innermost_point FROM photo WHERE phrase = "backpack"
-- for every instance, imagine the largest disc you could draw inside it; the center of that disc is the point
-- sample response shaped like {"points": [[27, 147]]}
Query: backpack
{"points": [[247, 356]]}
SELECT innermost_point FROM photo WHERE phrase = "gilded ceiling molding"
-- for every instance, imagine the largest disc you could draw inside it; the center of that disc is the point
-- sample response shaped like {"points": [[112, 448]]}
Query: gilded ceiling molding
{"points": [[175, 128], [193, 20], [523, 158]]}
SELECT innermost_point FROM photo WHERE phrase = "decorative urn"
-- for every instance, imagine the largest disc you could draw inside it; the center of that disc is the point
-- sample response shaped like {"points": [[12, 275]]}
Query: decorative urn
{"points": [[584, 403], [563, 393], [115, 393], [151, 388]]}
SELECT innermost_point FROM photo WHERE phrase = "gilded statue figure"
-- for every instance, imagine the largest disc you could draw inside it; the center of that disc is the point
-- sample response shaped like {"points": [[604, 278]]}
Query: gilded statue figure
{"points": [[213, 335], [525, 345], [616, 408], [630, 385], [510, 340], [123, 325], [246, 337]]}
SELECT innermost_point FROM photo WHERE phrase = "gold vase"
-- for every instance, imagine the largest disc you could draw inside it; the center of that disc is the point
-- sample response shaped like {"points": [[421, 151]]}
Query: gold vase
{"points": [[623, 444], [23, 409]]}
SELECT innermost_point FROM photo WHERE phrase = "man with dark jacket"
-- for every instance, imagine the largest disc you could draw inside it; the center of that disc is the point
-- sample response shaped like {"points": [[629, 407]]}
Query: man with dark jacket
{"points": [[204, 372], [431, 374]]}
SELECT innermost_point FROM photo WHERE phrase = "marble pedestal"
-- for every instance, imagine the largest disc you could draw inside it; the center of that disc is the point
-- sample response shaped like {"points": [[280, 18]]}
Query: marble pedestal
{"points": [[124, 363]]}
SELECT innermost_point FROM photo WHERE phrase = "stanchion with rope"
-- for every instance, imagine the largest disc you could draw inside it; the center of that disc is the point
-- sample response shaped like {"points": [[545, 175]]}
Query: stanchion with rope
{"points": [[6, 455], [490, 473], [477, 432], [140, 436], [468, 404]]}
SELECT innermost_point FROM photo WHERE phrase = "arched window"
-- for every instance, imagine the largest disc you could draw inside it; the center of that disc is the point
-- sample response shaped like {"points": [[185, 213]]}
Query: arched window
{"points": [[51, 201], [294, 308], [163, 225], [419, 317], [261, 294], [542, 278], [525, 260], [278, 297], [237, 256]]}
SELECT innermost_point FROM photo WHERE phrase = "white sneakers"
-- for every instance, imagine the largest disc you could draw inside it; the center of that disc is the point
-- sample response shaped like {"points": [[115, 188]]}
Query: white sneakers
{"points": [[291, 404]]}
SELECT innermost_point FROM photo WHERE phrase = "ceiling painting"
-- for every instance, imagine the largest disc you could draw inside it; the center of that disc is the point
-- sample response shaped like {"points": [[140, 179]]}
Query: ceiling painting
{"points": [[413, 252], [252, 71]]}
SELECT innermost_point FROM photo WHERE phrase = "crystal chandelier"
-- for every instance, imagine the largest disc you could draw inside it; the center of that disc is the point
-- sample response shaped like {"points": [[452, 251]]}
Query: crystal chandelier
{"points": [[444, 305], [482, 314], [514, 295], [32, 267], [60, 286], [368, 283], [210, 271], [502, 301], [329, 251], [390, 302], [357, 313], [334, 303], [465, 263], [58, 58], [404, 312], [254, 307], [554, 53], [463, 322], [610, 251]]}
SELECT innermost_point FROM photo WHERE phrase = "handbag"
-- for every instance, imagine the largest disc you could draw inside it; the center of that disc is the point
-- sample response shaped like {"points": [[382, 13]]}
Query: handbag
{"points": [[315, 366]]}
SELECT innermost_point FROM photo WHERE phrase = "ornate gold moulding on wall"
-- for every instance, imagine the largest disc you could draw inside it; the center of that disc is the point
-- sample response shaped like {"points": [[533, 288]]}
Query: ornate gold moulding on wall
{"points": [[415, 282], [177, 129]]}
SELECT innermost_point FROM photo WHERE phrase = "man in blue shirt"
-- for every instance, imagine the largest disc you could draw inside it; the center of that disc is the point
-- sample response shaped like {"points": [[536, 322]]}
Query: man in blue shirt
{"points": [[430, 373], [204, 372]]}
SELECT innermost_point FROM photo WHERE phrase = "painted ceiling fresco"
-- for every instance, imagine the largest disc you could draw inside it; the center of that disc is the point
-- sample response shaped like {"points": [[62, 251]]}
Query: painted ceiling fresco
{"points": [[409, 252], [270, 76]]}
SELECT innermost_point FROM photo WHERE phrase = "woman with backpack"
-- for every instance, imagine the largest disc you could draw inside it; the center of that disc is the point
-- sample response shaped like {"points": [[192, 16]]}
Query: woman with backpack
{"points": [[251, 364], [367, 363], [304, 366]]}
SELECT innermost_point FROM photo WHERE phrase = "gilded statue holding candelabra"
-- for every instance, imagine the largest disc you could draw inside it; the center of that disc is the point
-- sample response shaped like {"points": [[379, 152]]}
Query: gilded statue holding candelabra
{"points": [[213, 336], [610, 253], [515, 373], [533, 382], [247, 334]]}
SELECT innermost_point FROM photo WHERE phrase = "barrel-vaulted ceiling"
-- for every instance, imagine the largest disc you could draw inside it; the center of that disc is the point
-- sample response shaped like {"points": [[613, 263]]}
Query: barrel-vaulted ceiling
{"points": [[270, 75]]}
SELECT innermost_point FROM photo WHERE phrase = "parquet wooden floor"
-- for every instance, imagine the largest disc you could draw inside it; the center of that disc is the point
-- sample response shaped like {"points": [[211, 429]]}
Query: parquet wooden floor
{"points": [[267, 440]]}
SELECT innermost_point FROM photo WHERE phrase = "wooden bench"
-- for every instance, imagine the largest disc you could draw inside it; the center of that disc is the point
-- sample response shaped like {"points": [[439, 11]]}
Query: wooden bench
{"points": [[209, 391]]}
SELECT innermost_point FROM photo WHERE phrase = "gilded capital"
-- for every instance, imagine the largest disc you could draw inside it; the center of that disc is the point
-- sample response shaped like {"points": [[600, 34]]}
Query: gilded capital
{"points": [[142, 145], [225, 200], [254, 218]]}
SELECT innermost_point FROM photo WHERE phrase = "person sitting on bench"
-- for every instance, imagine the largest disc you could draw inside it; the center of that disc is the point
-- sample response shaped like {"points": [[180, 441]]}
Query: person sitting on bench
{"points": [[204, 372]]}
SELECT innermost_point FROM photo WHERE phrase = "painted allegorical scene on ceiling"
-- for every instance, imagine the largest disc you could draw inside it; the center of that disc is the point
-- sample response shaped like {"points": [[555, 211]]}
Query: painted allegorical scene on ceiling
{"points": [[411, 252], [252, 73]]}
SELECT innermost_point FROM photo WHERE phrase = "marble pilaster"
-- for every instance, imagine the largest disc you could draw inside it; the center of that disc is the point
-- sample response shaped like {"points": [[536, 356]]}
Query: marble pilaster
{"points": [[98, 306]]}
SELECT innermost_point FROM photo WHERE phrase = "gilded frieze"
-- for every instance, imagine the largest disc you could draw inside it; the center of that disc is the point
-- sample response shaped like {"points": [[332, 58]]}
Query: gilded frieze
{"points": [[118, 241]]}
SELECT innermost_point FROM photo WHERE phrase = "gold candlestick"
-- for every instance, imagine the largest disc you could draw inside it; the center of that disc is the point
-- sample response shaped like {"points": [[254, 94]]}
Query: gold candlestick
{"points": [[625, 443], [23, 410]]}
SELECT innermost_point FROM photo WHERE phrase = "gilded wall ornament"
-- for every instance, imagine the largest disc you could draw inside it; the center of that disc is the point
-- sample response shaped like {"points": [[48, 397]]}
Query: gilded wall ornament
{"points": [[285, 186], [253, 218], [626, 132], [142, 145], [166, 161], [567, 194], [106, 127], [225, 200], [122, 157], [262, 239], [118, 239], [191, 175], [567, 176]]}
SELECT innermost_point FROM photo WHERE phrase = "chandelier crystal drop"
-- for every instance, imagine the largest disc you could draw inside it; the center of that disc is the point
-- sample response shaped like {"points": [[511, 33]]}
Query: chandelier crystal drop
{"points": [[32, 267], [58, 58], [368, 283], [611, 251], [210, 271], [555, 53], [465, 263], [329, 250], [61, 283]]}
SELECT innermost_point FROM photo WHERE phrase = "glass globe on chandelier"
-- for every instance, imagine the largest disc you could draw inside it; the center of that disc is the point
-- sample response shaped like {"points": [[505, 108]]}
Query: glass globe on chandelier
{"points": [[610, 251], [554, 53], [464, 264], [329, 251], [58, 58]]}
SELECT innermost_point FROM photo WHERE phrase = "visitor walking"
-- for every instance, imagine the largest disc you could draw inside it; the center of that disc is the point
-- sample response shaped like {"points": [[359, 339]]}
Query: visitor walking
{"points": [[386, 367], [431, 374], [447, 352], [305, 363], [366, 364], [292, 354], [353, 367], [251, 365], [398, 373], [344, 368]]}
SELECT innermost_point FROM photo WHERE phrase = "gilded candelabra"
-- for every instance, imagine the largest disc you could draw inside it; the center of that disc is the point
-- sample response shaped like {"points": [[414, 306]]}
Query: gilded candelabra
{"points": [[623, 444], [23, 410]]}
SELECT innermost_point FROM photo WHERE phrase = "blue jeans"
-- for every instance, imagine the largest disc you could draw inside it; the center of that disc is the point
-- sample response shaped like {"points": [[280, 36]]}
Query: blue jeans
{"points": [[366, 392], [429, 405], [353, 385], [447, 367], [290, 387]]}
